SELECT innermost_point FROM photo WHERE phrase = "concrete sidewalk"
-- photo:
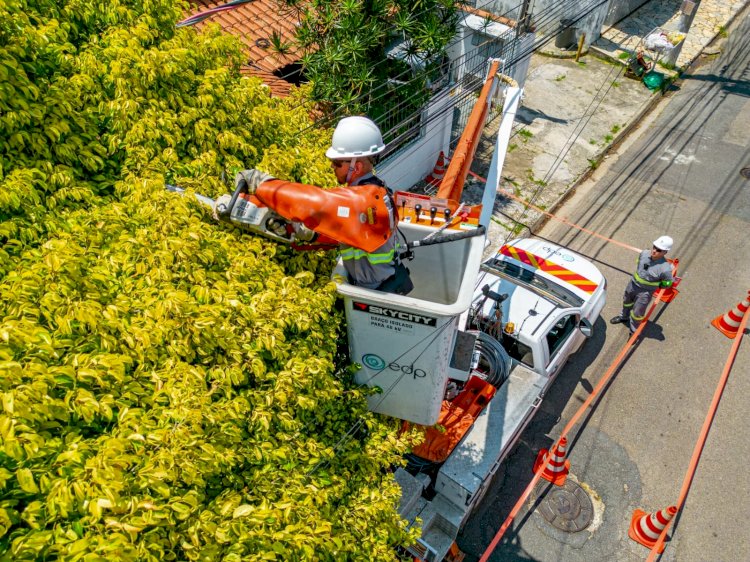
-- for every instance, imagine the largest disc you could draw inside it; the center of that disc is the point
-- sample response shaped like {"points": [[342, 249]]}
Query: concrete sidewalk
{"points": [[573, 113], [712, 20]]}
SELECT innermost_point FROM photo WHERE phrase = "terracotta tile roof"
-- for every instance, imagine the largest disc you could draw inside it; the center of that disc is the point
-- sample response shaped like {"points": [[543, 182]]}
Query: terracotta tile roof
{"points": [[254, 23], [279, 87]]}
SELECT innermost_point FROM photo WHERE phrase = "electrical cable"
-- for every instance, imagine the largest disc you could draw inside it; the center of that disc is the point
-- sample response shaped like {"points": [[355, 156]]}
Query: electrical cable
{"points": [[568, 143], [490, 350], [561, 155], [335, 113], [199, 17], [349, 435], [595, 4], [497, 358], [537, 44]]}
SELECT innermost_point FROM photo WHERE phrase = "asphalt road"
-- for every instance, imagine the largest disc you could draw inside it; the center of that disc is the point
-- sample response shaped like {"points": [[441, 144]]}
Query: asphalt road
{"points": [[679, 174]]}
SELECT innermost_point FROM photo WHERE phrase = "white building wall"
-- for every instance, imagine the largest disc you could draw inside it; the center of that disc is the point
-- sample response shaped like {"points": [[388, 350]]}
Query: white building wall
{"points": [[411, 165], [619, 9], [549, 13]]}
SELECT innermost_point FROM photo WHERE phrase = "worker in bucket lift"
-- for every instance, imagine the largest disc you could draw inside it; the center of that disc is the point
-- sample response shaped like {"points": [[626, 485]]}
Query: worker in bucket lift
{"points": [[356, 143], [652, 272]]}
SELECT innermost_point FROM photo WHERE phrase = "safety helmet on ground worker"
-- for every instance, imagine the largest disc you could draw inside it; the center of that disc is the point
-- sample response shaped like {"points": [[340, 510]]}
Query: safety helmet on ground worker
{"points": [[663, 243], [355, 137]]}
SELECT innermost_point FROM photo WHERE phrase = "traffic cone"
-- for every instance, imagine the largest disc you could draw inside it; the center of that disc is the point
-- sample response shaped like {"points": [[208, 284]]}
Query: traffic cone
{"points": [[645, 528], [438, 172], [557, 469], [729, 323]]}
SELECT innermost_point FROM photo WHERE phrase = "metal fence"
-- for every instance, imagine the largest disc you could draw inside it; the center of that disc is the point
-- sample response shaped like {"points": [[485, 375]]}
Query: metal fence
{"points": [[464, 78]]}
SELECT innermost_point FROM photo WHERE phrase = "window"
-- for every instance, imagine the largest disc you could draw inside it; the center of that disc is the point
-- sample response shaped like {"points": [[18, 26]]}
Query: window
{"points": [[532, 280], [560, 332], [517, 350]]}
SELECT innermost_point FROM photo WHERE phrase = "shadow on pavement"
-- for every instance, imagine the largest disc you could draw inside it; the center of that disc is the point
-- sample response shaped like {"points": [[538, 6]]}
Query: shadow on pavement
{"points": [[516, 472], [527, 116], [728, 85]]}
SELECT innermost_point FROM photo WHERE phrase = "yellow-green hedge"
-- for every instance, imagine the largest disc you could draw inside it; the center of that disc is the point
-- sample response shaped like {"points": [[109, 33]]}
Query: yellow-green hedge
{"points": [[171, 388]]}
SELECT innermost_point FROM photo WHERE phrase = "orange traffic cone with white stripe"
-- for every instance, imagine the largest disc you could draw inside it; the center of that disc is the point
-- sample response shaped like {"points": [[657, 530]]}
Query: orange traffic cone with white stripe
{"points": [[729, 323], [556, 467], [645, 528], [438, 172]]}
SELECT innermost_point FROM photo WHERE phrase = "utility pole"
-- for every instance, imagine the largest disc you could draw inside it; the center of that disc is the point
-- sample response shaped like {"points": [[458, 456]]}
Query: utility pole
{"points": [[524, 19], [524, 40], [688, 9]]}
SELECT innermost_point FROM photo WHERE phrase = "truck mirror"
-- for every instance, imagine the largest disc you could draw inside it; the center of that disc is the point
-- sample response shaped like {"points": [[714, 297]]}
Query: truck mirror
{"points": [[586, 328]]}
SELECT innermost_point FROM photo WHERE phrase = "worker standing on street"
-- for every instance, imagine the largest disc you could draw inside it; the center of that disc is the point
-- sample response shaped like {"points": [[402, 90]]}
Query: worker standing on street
{"points": [[356, 143], [652, 272]]}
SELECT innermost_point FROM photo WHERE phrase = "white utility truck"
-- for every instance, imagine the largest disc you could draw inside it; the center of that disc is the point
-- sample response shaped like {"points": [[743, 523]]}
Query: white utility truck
{"points": [[511, 323], [472, 349]]}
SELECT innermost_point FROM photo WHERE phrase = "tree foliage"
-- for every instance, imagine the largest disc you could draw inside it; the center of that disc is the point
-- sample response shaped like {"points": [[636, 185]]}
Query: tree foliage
{"points": [[170, 387], [345, 42]]}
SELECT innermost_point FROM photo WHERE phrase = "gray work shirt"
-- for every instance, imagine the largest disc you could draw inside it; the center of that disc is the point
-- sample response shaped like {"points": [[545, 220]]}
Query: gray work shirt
{"points": [[652, 274], [369, 270]]}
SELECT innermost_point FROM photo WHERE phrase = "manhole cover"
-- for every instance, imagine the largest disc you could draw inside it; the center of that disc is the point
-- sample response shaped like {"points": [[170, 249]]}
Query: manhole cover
{"points": [[745, 173], [567, 508]]}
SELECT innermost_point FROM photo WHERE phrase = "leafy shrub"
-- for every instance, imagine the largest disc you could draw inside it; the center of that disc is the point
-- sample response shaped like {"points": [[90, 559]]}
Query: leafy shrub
{"points": [[170, 388]]}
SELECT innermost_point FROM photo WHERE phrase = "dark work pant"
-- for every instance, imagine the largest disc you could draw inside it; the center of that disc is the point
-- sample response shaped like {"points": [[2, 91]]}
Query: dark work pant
{"points": [[634, 304]]}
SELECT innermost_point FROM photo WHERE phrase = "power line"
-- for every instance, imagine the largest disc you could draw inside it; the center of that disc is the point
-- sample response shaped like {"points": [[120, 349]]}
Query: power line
{"points": [[414, 79], [351, 432], [520, 56], [417, 14]]}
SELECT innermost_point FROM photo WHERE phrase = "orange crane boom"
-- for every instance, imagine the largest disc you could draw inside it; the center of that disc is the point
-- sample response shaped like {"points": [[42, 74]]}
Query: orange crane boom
{"points": [[452, 185]]}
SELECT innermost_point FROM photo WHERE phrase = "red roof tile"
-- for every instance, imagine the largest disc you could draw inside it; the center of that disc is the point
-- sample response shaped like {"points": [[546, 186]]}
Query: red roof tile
{"points": [[279, 87], [254, 23]]}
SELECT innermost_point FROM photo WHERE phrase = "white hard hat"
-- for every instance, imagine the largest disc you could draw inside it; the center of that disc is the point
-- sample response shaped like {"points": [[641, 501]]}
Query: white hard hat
{"points": [[355, 137], [663, 243]]}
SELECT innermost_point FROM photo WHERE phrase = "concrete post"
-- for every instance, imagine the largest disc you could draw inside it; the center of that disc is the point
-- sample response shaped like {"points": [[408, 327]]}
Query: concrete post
{"points": [[687, 14]]}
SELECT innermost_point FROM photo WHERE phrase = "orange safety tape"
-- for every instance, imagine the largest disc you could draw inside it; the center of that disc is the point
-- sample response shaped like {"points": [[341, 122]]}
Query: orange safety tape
{"points": [[562, 220], [594, 393], [549, 267], [693, 466]]}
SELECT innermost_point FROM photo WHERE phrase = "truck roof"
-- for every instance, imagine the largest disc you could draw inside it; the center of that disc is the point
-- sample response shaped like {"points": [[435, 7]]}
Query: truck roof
{"points": [[555, 263], [539, 277], [525, 308]]}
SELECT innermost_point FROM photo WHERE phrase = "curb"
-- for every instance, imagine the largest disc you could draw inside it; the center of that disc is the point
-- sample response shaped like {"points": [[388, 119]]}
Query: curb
{"points": [[644, 111], [561, 55], [716, 37], [622, 135]]}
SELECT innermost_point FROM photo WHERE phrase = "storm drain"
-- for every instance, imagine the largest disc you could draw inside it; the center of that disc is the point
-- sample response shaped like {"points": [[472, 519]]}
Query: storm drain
{"points": [[567, 507], [745, 173]]}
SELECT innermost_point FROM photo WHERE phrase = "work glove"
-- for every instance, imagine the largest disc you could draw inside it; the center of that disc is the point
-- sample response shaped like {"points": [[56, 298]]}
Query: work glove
{"points": [[302, 233], [252, 179]]}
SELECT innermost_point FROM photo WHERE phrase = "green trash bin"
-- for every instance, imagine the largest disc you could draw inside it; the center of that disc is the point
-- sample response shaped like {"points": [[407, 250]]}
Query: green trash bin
{"points": [[654, 80]]}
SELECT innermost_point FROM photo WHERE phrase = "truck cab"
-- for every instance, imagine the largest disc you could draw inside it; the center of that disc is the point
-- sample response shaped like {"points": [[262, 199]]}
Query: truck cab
{"points": [[554, 298]]}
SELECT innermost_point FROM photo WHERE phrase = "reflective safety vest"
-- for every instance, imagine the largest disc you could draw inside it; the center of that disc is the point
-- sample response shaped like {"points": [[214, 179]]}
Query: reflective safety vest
{"points": [[652, 274], [366, 269]]}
